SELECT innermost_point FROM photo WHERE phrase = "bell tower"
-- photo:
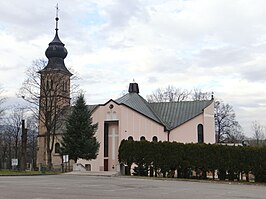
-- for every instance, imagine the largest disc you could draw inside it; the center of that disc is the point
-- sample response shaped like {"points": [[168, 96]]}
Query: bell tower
{"points": [[54, 98]]}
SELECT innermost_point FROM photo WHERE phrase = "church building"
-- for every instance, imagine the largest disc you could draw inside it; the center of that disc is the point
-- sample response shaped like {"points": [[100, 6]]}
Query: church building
{"points": [[128, 117]]}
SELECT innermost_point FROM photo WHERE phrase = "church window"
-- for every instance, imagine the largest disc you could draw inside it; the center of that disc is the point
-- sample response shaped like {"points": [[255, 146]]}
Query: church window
{"points": [[130, 138], [105, 142], [154, 139], [63, 86], [52, 86], [200, 134], [57, 148], [142, 138], [47, 84]]}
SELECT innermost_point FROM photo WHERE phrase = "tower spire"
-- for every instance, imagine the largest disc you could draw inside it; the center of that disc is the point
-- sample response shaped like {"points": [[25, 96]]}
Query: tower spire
{"points": [[56, 18], [56, 52]]}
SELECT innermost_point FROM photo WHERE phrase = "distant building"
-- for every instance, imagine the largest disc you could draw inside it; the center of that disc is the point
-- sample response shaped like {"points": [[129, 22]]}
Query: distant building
{"points": [[128, 117]]}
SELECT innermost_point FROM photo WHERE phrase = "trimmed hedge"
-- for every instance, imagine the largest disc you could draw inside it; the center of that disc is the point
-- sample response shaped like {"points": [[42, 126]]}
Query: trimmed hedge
{"points": [[230, 162]]}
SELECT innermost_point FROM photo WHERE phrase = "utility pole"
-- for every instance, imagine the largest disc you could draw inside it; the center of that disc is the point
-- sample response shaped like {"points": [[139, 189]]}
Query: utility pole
{"points": [[23, 146]]}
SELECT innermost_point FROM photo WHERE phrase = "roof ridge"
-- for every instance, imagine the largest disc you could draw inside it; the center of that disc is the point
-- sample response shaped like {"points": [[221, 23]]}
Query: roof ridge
{"points": [[150, 113], [176, 102], [151, 109]]}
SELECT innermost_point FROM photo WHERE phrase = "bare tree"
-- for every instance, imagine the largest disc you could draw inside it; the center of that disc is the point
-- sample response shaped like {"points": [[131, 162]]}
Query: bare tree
{"points": [[258, 132], [32, 126], [168, 94], [5, 148], [47, 101], [2, 100], [13, 126], [226, 125], [10, 137], [236, 135], [198, 94]]}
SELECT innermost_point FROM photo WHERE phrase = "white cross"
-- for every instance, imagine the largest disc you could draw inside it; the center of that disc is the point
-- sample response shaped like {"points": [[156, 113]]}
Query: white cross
{"points": [[113, 143]]}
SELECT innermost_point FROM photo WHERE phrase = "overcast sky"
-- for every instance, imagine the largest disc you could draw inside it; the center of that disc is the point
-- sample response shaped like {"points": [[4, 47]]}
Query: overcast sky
{"points": [[212, 45]]}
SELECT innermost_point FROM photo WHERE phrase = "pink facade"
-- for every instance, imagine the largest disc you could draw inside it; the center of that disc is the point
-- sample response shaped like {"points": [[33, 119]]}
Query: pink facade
{"points": [[188, 132], [118, 121]]}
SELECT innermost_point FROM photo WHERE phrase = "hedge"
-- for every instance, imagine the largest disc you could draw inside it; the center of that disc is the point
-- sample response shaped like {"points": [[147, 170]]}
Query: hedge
{"points": [[166, 158]]}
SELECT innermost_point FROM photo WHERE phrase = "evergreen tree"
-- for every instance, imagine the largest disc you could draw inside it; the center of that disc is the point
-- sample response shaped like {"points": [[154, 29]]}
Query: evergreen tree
{"points": [[79, 140]]}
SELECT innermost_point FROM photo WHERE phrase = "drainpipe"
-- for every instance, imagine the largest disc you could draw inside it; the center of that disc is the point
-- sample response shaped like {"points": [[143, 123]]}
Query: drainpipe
{"points": [[168, 135]]}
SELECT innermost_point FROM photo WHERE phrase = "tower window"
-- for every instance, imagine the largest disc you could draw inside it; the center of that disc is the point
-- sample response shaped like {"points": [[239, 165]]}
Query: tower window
{"points": [[47, 84], [63, 86], [57, 148]]}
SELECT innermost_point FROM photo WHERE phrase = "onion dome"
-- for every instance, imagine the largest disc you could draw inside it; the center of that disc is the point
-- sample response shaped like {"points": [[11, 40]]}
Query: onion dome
{"points": [[56, 53], [56, 48]]}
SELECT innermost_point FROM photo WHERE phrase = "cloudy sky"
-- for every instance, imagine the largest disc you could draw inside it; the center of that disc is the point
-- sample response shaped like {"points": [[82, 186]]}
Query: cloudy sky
{"points": [[213, 45]]}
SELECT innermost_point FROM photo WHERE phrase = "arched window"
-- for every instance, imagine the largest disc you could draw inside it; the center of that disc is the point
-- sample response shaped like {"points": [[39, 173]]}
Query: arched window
{"points": [[47, 84], [200, 134], [142, 138], [63, 87], [52, 85], [130, 138], [154, 139], [57, 148]]}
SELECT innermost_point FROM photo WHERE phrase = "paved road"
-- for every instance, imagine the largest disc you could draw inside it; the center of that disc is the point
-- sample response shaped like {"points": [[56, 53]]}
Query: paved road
{"points": [[79, 187]]}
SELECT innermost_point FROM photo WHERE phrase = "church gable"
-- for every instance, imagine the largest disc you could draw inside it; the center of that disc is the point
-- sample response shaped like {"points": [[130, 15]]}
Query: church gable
{"points": [[137, 103]]}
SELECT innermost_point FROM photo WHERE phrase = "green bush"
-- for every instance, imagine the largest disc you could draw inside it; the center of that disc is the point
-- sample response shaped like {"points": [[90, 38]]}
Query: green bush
{"points": [[167, 157]]}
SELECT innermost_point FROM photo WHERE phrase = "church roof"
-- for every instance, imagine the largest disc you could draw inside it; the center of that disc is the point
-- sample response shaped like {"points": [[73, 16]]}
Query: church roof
{"points": [[138, 103], [173, 114], [169, 114]]}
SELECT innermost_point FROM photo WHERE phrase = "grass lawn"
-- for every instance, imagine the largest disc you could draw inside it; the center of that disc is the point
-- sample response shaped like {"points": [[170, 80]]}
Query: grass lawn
{"points": [[17, 173]]}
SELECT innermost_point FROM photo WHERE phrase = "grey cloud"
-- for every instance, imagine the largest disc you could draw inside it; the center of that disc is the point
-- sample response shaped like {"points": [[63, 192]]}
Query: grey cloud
{"points": [[255, 73], [227, 56], [153, 79], [121, 12]]}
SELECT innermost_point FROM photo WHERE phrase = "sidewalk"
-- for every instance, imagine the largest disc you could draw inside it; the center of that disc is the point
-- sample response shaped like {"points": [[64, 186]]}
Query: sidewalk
{"points": [[94, 173]]}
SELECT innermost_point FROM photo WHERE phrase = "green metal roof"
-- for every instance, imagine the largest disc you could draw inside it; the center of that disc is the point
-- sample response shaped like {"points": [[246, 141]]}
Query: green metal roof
{"points": [[173, 114], [139, 104], [169, 114]]}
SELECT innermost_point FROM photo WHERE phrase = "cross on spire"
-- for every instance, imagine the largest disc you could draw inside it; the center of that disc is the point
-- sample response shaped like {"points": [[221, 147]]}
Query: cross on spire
{"points": [[56, 18]]}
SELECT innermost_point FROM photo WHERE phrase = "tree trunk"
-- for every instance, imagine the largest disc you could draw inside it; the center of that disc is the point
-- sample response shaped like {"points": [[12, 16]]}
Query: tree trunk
{"points": [[48, 150], [49, 160]]}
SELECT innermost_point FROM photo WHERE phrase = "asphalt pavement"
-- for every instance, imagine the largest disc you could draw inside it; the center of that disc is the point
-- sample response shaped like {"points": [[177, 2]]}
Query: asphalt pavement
{"points": [[117, 187]]}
